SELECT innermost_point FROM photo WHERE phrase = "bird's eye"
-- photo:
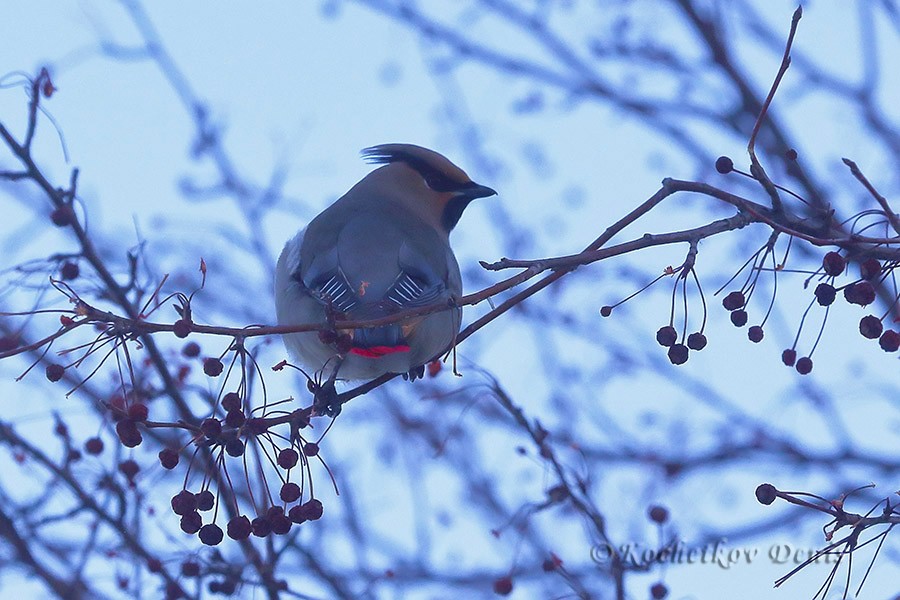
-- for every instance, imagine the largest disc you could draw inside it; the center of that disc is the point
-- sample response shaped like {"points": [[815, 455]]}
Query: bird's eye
{"points": [[439, 182]]}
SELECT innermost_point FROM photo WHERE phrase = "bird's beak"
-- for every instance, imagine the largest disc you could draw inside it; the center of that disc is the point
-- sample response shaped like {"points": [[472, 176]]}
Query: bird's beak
{"points": [[474, 190]]}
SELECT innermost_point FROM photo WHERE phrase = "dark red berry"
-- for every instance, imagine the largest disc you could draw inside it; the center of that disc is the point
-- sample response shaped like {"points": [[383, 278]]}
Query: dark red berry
{"points": [[213, 367], [734, 300], [791, 154], [678, 354], [191, 522], [231, 401], [239, 528], [62, 216], [234, 447], [861, 292], [755, 334], [55, 372], [205, 500], [191, 350], [93, 446], [658, 591], [666, 336], [182, 328], [261, 527], [503, 586], [297, 514], [889, 341], [311, 449], [154, 565], [129, 468], [168, 458], [724, 165], [128, 433], [184, 502], [211, 428], [290, 492], [69, 270], [138, 412], [825, 294], [870, 327], [281, 524], [190, 568], [605, 311], [287, 458], [788, 357], [327, 336], [658, 514], [696, 341], [211, 534], [833, 264], [343, 344], [766, 493], [870, 268], [739, 318], [235, 418], [312, 509], [804, 365]]}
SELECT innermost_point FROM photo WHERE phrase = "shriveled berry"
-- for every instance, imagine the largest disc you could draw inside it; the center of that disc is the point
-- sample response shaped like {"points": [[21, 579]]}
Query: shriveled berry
{"points": [[861, 293], [128, 433], [788, 357], [55, 372], [184, 502], [168, 458], [213, 367], [261, 527], [191, 350], [231, 401], [290, 492], [724, 165], [281, 524], [678, 354], [666, 336], [211, 534], [766, 493], [658, 514], [297, 514], [605, 311], [211, 427], [739, 318], [804, 365], [313, 509], [311, 449], [503, 586], [755, 334], [182, 328], [205, 500], [734, 300], [825, 294], [129, 468], [138, 412], [833, 264], [870, 268], [234, 447], [287, 458], [696, 341], [239, 528], [69, 270], [235, 418], [93, 446], [62, 216], [328, 336], [791, 154], [889, 341], [870, 327], [191, 522]]}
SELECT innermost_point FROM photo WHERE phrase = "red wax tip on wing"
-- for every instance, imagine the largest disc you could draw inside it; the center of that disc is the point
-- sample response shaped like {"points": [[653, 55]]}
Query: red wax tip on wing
{"points": [[378, 351]]}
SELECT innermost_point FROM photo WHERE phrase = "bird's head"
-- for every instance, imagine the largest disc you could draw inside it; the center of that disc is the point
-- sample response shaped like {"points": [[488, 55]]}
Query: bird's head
{"points": [[446, 190]]}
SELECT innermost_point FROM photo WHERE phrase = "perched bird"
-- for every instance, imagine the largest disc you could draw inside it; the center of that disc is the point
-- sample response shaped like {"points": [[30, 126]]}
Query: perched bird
{"points": [[381, 248]]}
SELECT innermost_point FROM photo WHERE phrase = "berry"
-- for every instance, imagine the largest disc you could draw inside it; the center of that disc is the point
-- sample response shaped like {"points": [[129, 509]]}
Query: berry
{"points": [[191, 522], [724, 165], [658, 591], [93, 446], [234, 447], [154, 565], [696, 341], [211, 534], [231, 401], [861, 292], [297, 514], [128, 433], [870, 327], [605, 311], [55, 372], [311, 449], [678, 354], [287, 458], [290, 492], [804, 365], [211, 428], [791, 154], [755, 334], [734, 300], [327, 336], [788, 357], [168, 458], [191, 350], [343, 344], [889, 341], [235, 418], [503, 586], [261, 527], [658, 514], [205, 500], [666, 336], [870, 268], [739, 318], [833, 264], [825, 294], [213, 367], [69, 270], [281, 524], [313, 509], [138, 412], [184, 502], [129, 468], [182, 328], [239, 528], [62, 216], [190, 568], [766, 493]]}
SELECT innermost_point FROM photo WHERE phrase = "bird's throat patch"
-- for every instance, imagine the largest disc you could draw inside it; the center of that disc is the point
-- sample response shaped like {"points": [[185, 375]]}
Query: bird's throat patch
{"points": [[379, 351]]}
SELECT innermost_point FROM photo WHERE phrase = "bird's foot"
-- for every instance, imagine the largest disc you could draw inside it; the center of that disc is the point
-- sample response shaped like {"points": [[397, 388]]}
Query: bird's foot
{"points": [[415, 373]]}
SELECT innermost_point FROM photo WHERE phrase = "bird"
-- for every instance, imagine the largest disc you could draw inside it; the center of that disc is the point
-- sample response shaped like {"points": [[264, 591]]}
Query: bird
{"points": [[381, 248]]}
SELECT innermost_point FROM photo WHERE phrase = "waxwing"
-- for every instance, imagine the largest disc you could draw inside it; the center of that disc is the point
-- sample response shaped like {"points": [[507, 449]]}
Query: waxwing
{"points": [[380, 248]]}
